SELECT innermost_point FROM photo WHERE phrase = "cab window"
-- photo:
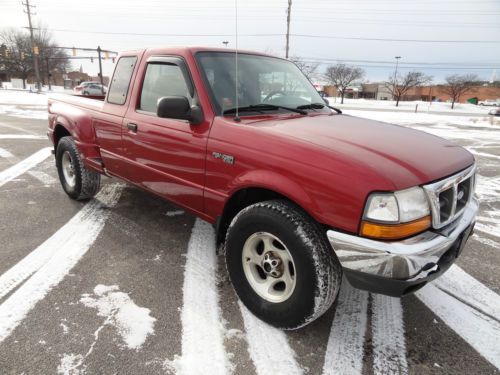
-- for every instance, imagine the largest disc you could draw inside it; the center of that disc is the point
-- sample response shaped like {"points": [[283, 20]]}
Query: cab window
{"points": [[162, 80], [119, 87]]}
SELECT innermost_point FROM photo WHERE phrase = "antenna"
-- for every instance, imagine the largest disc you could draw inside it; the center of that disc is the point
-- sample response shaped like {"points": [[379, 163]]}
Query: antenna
{"points": [[236, 117]]}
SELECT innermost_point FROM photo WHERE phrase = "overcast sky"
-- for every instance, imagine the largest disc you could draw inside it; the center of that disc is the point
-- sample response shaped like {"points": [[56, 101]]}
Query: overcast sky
{"points": [[317, 29]]}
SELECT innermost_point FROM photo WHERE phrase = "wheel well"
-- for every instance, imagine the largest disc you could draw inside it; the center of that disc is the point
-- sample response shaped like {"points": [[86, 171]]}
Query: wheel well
{"points": [[238, 201], [59, 132]]}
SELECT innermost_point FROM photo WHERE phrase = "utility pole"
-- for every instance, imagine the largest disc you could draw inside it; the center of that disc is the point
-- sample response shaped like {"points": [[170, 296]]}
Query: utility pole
{"points": [[100, 69], [34, 51], [395, 77], [48, 72], [288, 27]]}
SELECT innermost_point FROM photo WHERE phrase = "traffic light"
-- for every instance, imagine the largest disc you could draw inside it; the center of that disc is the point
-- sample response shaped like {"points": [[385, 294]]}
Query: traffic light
{"points": [[74, 51], [92, 60], [106, 55], [113, 59], [36, 51], [22, 55]]}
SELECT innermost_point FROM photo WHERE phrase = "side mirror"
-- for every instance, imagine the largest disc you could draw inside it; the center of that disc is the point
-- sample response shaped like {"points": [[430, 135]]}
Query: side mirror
{"points": [[327, 102], [178, 107]]}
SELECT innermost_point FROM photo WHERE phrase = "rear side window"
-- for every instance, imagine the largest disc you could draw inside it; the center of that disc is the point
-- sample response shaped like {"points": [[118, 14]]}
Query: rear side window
{"points": [[121, 80], [162, 80]]}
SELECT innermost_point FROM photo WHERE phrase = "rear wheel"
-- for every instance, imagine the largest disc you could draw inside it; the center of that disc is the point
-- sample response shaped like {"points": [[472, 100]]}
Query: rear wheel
{"points": [[281, 264], [77, 181]]}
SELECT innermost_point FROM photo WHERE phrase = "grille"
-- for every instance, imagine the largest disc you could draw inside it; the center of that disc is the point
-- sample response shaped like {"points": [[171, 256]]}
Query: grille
{"points": [[449, 196]]}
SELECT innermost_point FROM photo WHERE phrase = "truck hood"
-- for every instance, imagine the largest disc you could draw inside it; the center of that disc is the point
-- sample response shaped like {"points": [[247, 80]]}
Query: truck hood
{"points": [[403, 156]]}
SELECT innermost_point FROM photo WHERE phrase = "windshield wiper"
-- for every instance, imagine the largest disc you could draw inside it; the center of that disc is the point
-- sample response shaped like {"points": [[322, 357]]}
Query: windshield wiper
{"points": [[262, 107], [312, 106], [318, 106]]}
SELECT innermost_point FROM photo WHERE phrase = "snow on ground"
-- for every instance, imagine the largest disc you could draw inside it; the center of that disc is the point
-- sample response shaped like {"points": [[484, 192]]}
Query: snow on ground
{"points": [[22, 98], [23, 104], [477, 129], [133, 323], [405, 106]]}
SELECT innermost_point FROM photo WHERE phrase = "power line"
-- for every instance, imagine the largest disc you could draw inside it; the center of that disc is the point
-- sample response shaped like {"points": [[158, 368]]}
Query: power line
{"points": [[280, 34], [469, 64]]}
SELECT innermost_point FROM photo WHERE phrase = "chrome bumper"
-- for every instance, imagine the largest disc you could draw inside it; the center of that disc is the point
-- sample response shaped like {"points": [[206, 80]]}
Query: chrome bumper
{"points": [[410, 259]]}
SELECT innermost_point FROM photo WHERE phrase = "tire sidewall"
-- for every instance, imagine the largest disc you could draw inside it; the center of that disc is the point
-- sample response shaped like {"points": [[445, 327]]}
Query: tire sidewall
{"points": [[302, 301], [67, 144]]}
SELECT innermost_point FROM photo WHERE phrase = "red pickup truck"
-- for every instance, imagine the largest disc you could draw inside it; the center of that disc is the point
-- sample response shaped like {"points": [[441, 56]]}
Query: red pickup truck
{"points": [[300, 193]]}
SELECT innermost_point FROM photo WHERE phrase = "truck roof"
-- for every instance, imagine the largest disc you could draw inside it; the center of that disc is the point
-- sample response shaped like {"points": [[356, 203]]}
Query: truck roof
{"points": [[191, 50]]}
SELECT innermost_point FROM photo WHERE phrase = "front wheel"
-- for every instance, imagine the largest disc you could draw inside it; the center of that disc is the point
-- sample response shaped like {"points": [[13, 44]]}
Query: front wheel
{"points": [[77, 181], [281, 264]]}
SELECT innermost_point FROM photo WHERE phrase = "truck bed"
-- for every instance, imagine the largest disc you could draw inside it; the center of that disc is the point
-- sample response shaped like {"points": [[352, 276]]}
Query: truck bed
{"points": [[89, 102]]}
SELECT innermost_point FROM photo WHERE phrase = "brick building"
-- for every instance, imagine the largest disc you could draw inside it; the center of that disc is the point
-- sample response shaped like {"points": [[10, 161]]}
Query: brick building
{"points": [[425, 93]]}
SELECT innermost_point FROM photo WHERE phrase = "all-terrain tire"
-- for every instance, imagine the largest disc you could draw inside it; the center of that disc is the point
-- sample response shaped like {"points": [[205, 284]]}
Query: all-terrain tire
{"points": [[318, 273], [86, 183]]}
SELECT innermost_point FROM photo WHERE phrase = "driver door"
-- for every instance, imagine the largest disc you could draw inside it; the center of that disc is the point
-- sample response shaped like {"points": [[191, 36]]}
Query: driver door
{"points": [[165, 156]]}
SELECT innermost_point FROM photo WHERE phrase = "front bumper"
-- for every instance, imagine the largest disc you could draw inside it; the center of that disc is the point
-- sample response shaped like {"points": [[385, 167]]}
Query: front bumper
{"points": [[400, 267]]}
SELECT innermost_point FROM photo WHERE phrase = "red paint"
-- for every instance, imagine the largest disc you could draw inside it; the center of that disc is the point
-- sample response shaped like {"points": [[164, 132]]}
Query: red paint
{"points": [[328, 164]]}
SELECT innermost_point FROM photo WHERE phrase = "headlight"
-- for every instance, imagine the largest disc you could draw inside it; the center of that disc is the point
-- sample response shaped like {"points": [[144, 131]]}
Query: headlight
{"points": [[396, 215]]}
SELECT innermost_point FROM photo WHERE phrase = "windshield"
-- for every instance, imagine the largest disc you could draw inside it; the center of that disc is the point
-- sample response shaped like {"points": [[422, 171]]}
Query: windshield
{"points": [[261, 80]]}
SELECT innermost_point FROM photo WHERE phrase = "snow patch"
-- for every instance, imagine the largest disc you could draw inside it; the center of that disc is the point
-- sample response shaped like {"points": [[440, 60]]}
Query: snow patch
{"points": [[174, 213], [268, 347], [389, 346], [203, 348], [344, 352], [52, 260], [36, 114], [133, 323], [70, 364]]}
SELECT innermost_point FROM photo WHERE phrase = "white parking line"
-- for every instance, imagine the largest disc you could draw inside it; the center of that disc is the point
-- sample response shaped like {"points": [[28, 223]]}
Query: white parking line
{"points": [[41, 176], [5, 154], [38, 257], [463, 286], [268, 347], [24, 165], [21, 136], [16, 128], [66, 247], [203, 349], [468, 308], [389, 346], [344, 353]]}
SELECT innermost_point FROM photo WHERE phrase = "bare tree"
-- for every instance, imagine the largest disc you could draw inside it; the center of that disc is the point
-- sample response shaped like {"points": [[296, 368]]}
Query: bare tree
{"points": [[342, 76], [459, 84], [399, 85], [16, 51], [309, 69], [16, 58]]}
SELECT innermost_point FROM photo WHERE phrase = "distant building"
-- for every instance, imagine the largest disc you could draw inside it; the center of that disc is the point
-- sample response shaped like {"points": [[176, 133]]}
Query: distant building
{"points": [[379, 91], [67, 80]]}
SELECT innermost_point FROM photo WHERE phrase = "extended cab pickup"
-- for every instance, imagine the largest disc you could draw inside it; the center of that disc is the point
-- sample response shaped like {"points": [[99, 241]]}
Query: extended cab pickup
{"points": [[299, 193]]}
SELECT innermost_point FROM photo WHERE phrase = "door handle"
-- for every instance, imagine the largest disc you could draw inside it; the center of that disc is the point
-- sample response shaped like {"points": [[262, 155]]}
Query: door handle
{"points": [[132, 127]]}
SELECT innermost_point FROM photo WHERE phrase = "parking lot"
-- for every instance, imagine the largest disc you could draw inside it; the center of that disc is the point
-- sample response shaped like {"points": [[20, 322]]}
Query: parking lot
{"points": [[128, 283]]}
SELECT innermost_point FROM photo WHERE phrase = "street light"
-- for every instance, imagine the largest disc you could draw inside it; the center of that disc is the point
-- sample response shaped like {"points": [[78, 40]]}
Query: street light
{"points": [[225, 42], [395, 77]]}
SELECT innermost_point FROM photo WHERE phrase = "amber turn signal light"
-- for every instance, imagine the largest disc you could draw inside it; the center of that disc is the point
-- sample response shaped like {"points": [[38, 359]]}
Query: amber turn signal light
{"points": [[394, 231]]}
